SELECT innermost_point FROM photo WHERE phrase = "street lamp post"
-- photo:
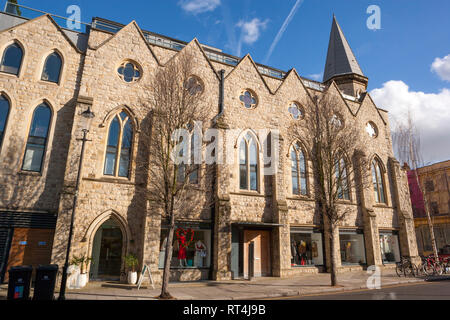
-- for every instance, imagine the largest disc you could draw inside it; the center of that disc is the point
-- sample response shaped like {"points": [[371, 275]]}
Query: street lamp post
{"points": [[87, 116]]}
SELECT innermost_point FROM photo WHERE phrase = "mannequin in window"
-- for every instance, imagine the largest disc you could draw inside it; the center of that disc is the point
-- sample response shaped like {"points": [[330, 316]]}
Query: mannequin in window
{"points": [[293, 252], [302, 252], [200, 253], [182, 250], [348, 252]]}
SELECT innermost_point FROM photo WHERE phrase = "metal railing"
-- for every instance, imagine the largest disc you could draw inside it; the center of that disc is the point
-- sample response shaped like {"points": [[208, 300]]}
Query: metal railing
{"points": [[153, 38], [13, 8]]}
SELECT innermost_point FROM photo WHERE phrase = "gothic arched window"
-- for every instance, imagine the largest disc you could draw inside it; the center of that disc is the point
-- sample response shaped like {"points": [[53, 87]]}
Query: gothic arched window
{"points": [[192, 168], [37, 138], [52, 68], [248, 163], [119, 146], [12, 59], [342, 180], [298, 170], [4, 112], [378, 182]]}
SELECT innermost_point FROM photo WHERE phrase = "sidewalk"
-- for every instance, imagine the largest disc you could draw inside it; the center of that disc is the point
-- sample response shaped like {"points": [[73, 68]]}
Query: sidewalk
{"points": [[259, 288]]}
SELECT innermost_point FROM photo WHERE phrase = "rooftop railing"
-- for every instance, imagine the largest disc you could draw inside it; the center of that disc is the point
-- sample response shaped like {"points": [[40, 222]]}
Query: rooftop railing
{"points": [[153, 38], [30, 13]]}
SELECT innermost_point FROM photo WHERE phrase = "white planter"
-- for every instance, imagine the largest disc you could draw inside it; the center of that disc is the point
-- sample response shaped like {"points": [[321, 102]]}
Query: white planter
{"points": [[72, 279], [132, 277], [82, 280]]}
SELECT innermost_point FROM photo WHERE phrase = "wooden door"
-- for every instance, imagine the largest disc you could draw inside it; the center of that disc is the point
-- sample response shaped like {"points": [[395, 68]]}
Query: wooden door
{"points": [[30, 247], [261, 240]]}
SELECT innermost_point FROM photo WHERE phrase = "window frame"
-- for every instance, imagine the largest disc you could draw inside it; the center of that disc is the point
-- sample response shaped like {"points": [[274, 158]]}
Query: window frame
{"points": [[299, 179], [44, 152], [118, 152], [21, 47], [58, 53], [248, 164], [343, 160], [374, 165], [2, 137]]}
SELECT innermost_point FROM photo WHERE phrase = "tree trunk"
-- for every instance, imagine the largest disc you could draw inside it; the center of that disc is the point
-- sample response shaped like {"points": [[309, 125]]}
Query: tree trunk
{"points": [[333, 264], [169, 247]]}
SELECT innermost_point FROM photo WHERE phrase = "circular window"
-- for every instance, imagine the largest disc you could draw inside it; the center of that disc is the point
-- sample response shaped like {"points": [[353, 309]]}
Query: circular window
{"points": [[194, 85], [296, 111], [336, 121], [248, 99], [129, 72], [372, 129]]}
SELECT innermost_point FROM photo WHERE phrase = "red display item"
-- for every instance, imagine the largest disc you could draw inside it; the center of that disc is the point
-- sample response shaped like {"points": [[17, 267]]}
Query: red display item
{"points": [[182, 249]]}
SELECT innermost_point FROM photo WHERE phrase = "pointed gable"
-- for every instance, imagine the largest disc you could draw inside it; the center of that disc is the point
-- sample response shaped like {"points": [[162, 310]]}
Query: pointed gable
{"points": [[340, 57], [248, 67], [130, 36], [43, 22]]}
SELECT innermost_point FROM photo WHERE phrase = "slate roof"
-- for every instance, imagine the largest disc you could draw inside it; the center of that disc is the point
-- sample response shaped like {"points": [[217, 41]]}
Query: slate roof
{"points": [[340, 57]]}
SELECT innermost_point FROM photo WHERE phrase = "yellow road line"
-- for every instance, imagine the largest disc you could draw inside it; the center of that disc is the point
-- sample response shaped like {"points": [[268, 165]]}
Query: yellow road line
{"points": [[330, 293]]}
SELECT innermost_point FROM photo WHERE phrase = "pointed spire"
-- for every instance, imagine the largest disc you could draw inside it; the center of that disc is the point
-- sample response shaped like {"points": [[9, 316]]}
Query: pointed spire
{"points": [[340, 58]]}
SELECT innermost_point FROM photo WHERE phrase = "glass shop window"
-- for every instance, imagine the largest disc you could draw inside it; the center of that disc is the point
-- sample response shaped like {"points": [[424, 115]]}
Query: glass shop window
{"points": [[306, 248], [390, 251], [352, 248], [191, 248]]}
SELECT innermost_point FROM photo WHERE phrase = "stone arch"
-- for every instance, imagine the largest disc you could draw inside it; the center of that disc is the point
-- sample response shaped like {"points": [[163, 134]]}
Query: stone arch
{"points": [[110, 115], [98, 222]]}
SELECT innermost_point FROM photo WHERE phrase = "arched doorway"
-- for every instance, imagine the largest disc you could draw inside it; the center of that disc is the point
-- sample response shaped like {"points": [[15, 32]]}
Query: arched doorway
{"points": [[107, 252]]}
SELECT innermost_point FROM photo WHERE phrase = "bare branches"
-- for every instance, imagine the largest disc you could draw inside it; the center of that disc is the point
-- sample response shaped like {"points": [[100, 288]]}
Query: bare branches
{"points": [[333, 147]]}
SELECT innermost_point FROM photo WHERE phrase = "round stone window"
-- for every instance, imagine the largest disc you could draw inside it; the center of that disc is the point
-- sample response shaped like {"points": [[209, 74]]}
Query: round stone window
{"points": [[248, 99], [194, 85], [336, 121], [296, 111], [129, 72], [372, 129]]}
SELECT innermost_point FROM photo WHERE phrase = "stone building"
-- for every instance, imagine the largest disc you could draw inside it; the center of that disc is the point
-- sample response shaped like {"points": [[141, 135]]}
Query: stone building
{"points": [[435, 180], [50, 75]]}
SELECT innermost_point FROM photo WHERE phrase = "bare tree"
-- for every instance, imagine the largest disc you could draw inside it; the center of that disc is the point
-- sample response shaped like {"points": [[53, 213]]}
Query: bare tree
{"points": [[406, 138], [331, 142], [176, 106]]}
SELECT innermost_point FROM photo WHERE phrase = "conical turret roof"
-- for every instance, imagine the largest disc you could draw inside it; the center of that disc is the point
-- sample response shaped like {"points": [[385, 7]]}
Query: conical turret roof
{"points": [[340, 57]]}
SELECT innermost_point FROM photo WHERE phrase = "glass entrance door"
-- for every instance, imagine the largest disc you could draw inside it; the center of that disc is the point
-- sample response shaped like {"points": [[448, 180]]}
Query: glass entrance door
{"points": [[107, 252]]}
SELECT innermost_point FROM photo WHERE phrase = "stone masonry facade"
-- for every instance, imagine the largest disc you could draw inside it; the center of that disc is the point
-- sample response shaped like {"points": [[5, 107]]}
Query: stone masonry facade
{"points": [[89, 79]]}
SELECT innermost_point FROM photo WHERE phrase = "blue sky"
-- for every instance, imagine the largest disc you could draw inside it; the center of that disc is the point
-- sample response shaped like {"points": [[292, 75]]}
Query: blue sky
{"points": [[396, 58]]}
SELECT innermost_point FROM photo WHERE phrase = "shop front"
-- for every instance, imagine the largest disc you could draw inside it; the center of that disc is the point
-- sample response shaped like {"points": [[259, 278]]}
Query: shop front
{"points": [[191, 246], [389, 245], [306, 247], [352, 248]]}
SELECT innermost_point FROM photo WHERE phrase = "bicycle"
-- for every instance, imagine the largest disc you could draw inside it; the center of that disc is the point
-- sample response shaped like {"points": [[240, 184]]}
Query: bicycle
{"points": [[432, 267], [406, 267]]}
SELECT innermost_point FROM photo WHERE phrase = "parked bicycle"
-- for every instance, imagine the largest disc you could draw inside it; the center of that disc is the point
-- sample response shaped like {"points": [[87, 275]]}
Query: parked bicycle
{"points": [[432, 267], [406, 267]]}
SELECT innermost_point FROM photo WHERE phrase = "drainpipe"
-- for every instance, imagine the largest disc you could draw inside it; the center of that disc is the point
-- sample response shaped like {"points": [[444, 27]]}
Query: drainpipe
{"points": [[213, 207]]}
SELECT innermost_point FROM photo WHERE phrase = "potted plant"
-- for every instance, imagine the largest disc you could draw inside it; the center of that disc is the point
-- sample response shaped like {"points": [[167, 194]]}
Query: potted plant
{"points": [[131, 262], [82, 262]]}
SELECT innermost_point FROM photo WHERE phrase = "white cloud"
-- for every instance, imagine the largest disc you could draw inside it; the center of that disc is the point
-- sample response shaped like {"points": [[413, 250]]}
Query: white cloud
{"points": [[315, 76], [442, 67], [251, 30], [198, 6], [430, 111]]}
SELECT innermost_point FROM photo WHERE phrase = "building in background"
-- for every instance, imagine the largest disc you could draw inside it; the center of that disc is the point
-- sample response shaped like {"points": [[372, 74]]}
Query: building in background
{"points": [[435, 180]]}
